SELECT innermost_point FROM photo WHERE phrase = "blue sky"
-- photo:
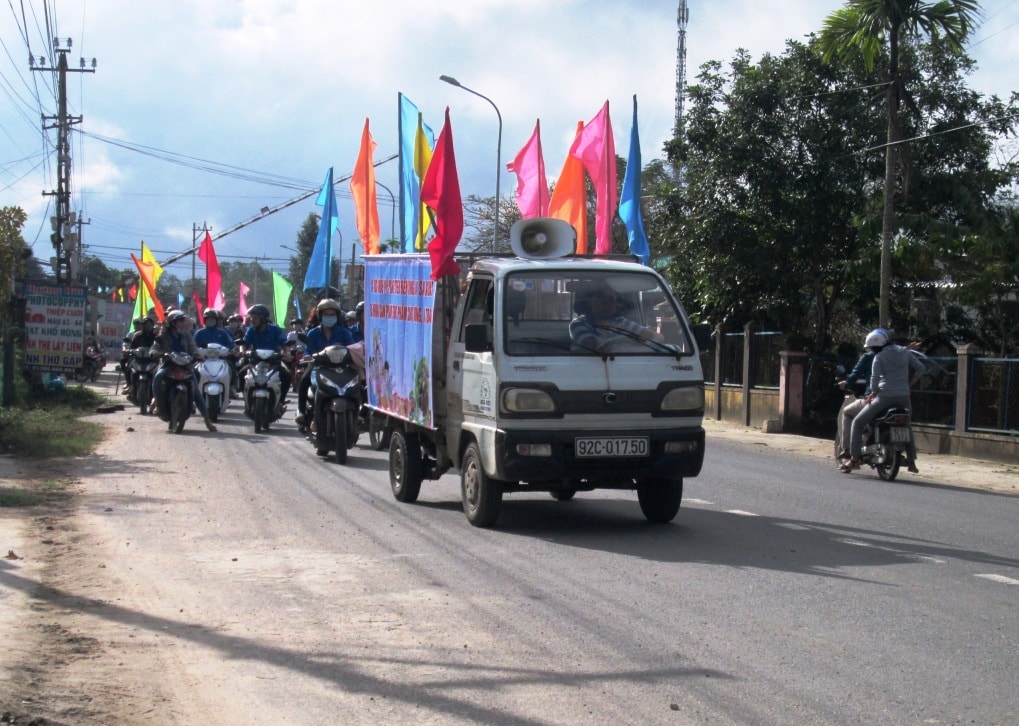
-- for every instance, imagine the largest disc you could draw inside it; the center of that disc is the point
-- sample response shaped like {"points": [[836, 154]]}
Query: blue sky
{"points": [[283, 87]]}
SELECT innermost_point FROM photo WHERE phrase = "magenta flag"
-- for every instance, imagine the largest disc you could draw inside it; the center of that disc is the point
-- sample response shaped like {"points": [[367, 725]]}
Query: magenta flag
{"points": [[532, 184], [440, 190], [213, 278], [242, 305], [596, 148]]}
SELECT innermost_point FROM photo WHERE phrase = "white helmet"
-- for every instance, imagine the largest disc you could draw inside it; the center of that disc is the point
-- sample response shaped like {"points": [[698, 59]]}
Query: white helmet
{"points": [[876, 339]]}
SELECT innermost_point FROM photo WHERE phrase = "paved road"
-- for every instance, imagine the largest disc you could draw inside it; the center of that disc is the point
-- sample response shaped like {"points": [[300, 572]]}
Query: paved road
{"points": [[266, 584]]}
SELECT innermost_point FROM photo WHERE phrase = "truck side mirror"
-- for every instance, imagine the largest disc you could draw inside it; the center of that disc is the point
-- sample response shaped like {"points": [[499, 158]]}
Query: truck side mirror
{"points": [[476, 338], [702, 334]]}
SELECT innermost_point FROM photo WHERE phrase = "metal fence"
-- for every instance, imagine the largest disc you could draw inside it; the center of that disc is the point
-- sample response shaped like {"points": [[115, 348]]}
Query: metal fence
{"points": [[933, 397], [765, 361], [994, 396], [732, 359]]}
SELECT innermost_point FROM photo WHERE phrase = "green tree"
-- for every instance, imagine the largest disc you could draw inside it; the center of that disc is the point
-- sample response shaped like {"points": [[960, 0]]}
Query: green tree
{"points": [[867, 29], [13, 253]]}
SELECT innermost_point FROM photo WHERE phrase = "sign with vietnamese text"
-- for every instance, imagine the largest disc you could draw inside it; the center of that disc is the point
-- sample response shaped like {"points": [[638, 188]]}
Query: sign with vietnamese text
{"points": [[399, 300], [54, 327]]}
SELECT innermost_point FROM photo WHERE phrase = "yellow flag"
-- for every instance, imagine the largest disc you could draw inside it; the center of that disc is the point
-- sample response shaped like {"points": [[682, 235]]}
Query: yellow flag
{"points": [[422, 158]]}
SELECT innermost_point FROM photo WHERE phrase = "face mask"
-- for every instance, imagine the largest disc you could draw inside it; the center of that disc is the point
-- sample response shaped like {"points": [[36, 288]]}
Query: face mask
{"points": [[234, 325], [210, 323], [329, 321]]}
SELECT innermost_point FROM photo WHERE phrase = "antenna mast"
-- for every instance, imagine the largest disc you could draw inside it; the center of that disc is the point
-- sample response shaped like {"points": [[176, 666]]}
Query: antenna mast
{"points": [[682, 17]]}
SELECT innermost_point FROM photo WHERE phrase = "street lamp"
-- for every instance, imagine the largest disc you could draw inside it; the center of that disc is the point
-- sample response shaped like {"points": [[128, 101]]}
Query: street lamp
{"points": [[392, 218], [498, 151]]}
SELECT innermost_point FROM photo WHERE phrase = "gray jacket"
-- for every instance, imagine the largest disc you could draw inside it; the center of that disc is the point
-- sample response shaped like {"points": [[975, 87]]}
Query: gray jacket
{"points": [[893, 369]]}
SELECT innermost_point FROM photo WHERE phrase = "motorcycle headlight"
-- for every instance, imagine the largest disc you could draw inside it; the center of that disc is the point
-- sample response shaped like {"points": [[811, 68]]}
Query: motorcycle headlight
{"points": [[336, 354]]}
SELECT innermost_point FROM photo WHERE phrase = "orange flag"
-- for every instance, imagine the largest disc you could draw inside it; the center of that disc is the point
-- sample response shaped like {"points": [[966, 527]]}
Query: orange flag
{"points": [[362, 189], [569, 198], [146, 273]]}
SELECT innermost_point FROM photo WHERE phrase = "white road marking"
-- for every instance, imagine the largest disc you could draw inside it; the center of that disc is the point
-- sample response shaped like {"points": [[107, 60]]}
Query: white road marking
{"points": [[703, 502], [1000, 578], [741, 513]]}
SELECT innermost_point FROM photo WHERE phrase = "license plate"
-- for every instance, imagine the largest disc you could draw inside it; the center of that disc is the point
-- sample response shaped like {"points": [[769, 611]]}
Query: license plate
{"points": [[591, 446], [900, 434]]}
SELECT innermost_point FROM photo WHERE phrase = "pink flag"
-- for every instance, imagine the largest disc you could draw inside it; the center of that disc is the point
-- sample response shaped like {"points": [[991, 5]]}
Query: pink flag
{"points": [[532, 184], [242, 306], [213, 278], [440, 190], [595, 147]]}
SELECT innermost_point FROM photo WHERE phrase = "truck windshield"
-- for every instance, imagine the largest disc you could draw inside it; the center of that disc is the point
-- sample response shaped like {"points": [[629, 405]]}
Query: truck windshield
{"points": [[554, 313]]}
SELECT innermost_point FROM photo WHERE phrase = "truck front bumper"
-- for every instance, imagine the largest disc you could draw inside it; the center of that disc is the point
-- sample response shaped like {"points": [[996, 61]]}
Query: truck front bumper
{"points": [[563, 463]]}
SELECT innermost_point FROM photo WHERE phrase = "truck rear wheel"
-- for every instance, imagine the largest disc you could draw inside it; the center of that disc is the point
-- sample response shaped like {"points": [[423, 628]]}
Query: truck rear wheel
{"points": [[659, 498], [482, 495], [405, 466]]}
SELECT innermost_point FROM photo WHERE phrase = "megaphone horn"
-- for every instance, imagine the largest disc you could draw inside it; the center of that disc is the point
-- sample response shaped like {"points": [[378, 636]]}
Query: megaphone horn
{"points": [[542, 238]]}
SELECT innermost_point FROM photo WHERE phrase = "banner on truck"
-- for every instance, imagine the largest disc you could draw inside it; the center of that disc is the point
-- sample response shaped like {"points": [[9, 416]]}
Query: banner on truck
{"points": [[54, 327], [399, 300]]}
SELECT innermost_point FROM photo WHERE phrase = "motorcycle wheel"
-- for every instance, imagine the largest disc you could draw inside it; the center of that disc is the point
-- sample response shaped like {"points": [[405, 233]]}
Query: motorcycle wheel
{"points": [[659, 498], [142, 396], [563, 495], [261, 414], [81, 374], [179, 409], [378, 431], [405, 467], [481, 494], [213, 405], [888, 471], [340, 436]]}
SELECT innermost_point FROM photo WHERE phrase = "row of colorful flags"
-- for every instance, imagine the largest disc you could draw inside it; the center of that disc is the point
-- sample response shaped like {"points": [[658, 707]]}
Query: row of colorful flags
{"points": [[430, 199]]}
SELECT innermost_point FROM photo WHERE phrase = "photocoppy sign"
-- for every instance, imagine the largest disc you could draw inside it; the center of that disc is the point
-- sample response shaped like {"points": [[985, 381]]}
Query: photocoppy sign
{"points": [[54, 327]]}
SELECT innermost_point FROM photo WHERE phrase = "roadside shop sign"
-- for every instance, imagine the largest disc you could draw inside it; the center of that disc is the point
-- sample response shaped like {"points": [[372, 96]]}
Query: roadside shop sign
{"points": [[54, 327]]}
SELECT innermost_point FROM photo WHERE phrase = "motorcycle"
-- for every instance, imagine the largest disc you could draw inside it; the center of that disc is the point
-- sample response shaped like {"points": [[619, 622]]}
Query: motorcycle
{"points": [[178, 393], [92, 363], [142, 367], [214, 378], [336, 398], [886, 440], [262, 388]]}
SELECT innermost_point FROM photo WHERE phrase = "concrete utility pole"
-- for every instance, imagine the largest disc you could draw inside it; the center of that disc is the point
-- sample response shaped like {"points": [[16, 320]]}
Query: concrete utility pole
{"points": [[682, 18], [66, 243]]}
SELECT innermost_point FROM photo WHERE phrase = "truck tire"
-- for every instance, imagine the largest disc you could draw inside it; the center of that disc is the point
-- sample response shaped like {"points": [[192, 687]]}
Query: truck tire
{"points": [[405, 466], [378, 431], [563, 495], [659, 498], [482, 495]]}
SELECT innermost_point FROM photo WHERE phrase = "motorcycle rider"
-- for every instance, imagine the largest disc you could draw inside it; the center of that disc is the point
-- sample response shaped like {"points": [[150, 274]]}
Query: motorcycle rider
{"points": [[893, 373], [262, 334], [355, 322], [328, 332], [214, 333], [176, 338], [144, 337]]}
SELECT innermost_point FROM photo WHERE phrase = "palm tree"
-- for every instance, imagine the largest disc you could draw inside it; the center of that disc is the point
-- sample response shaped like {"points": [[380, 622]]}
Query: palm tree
{"points": [[865, 28]]}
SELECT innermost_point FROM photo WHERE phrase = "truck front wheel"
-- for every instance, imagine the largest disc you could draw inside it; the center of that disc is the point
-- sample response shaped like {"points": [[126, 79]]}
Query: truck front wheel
{"points": [[482, 495], [405, 466], [659, 498]]}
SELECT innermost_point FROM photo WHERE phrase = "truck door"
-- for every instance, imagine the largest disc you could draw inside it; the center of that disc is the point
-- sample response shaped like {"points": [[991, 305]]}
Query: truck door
{"points": [[471, 395]]}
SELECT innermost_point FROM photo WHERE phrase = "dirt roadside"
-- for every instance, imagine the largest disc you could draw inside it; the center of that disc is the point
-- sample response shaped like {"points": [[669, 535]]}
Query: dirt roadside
{"points": [[70, 655]]}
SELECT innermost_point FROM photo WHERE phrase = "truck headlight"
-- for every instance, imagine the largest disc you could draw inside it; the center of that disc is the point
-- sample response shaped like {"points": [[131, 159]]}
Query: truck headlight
{"points": [[527, 400], [685, 398]]}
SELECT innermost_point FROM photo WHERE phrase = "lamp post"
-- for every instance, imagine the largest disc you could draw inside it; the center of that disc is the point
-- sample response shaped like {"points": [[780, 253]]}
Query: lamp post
{"points": [[498, 151], [392, 217]]}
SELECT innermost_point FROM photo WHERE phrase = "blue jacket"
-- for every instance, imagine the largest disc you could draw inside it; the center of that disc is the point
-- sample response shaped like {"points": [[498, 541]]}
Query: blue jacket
{"points": [[204, 336], [271, 337], [317, 339]]}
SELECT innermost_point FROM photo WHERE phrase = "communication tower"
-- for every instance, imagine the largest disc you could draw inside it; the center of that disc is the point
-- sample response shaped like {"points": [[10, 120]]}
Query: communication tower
{"points": [[682, 16]]}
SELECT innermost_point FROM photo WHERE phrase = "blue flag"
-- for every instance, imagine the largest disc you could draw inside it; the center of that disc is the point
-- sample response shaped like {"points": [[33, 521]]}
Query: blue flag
{"points": [[410, 185], [321, 263], [629, 198]]}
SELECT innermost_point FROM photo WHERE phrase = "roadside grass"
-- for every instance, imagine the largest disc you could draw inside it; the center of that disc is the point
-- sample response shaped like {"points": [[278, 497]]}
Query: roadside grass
{"points": [[40, 493], [47, 424]]}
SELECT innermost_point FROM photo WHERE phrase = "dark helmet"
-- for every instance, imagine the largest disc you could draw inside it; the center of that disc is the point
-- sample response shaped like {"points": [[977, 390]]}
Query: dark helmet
{"points": [[359, 309], [259, 310], [235, 318], [210, 312], [173, 316]]}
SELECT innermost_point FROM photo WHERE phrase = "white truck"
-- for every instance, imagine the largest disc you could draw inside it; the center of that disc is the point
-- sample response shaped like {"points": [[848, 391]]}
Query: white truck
{"points": [[538, 371]]}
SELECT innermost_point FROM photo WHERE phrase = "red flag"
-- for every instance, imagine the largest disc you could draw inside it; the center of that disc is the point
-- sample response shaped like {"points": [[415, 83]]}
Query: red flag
{"points": [[213, 278], [532, 184], [242, 306], [133, 292], [362, 189], [440, 190], [145, 272], [198, 304], [597, 149], [569, 198]]}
